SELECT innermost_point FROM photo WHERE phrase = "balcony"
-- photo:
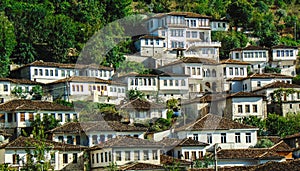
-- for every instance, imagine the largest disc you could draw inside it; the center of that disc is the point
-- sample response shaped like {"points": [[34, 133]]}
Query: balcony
{"points": [[204, 44]]}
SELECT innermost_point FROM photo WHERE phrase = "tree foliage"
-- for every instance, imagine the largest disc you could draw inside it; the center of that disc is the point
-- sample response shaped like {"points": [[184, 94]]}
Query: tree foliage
{"points": [[264, 143]]}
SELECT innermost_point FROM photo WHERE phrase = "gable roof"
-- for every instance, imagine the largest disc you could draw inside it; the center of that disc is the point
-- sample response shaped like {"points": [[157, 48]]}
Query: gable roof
{"points": [[192, 60], [249, 153], [80, 127], [83, 79], [141, 166], [139, 104], [232, 61], [244, 94], [278, 84], [127, 142], [281, 146], [261, 76], [20, 81], [206, 99], [251, 47], [186, 14], [63, 65], [186, 142], [284, 47], [22, 105], [28, 142], [168, 160], [213, 122]]}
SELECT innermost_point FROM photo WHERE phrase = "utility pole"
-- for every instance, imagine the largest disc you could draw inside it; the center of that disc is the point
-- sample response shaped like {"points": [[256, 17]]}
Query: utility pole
{"points": [[216, 158]]}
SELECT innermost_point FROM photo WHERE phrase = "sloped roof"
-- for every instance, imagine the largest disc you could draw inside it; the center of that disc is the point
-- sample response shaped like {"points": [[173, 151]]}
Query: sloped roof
{"points": [[192, 60], [62, 65], [278, 84], [186, 142], [82, 79], [281, 146], [141, 166], [168, 160], [251, 47], [20, 81], [28, 142], [296, 135], [232, 61], [249, 153], [22, 105], [186, 14], [213, 122], [139, 104], [206, 98], [244, 94], [284, 47], [79, 127], [127, 142], [261, 76]]}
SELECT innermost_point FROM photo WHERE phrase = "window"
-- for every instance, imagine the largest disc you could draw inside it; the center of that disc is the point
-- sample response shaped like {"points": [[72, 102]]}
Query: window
{"points": [[146, 155], [176, 82], [127, 155], [200, 153], [193, 71], [56, 72], [67, 117], [118, 155], [31, 118], [237, 137], [109, 156], [182, 82], [22, 117], [93, 158], [47, 72], [154, 155], [59, 117], [209, 138], [248, 137], [242, 71], [5, 87], [291, 106], [247, 108], [51, 72], [73, 87], [63, 73], [195, 137], [186, 155], [60, 139], [65, 158], [165, 83], [136, 155], [15, 158], [230, 71], [105, 157], [193, 155], [35, 72], [254, 108], [40, 72], [69, 139], [236, 71], [171, 82], [258, 83], [102, 158], [223, 138], [75, 157], [240, 109]]}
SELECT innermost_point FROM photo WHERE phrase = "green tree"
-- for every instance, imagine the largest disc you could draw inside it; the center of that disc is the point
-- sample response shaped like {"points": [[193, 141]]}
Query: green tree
{"points": [[264, 143], [7, 44], [131, 66], [255, 121], [240, 12], [112, 167], [133, 94], [48, 122]]}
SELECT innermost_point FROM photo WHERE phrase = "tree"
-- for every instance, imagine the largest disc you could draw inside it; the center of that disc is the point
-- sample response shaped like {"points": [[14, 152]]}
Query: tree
{"points": [[131, 66], [7, 44], [48, 122], [36, 92], [264, 143], [255, 121], [133, 94], [240, 12]]}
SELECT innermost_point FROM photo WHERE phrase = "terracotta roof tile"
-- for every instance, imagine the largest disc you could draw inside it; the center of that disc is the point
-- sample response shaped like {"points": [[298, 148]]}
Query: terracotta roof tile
{"points": [[214, 122], [278, 84], [244, 94], [193, 60], [20, 81], [141, 166], [250, 48], [284, 47], [28, 142], [296, 135], [172, 142], [262, 76], [139, 104], [249, 153], [127, 142], [168, 160], [82, 79], [22, 105], [281, 146], [62, 65], [79, 127], [231, 61]]}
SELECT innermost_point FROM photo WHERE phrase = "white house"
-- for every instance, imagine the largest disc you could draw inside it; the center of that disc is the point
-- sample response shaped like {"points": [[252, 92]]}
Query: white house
{"points": [[149, 45], [87, 88], [19, 113], [46, 72], [284, 58], [184, 33], [288, 103], [9, 85], [94, 132], [143, 111], [187, 149], [122, 150], [256, 81], [257, 56], [213, 129], [245, 104], [219, 25], [60, 155]]}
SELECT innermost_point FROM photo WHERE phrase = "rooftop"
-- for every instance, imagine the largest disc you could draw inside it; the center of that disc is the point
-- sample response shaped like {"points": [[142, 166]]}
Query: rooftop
{"points": [[213, 122], [127, 142], [141, 166], [22, 105], [139, 104], [278, 84], [250, 153], [186, 142], [232, 61], [250, 48]]}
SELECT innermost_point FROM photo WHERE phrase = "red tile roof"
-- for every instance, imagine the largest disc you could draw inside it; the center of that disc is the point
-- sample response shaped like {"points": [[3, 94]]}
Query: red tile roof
{"points": [[284, 47], [244, 94], [139, 104], [79, 127], [141, 166], [213, 122], [168, 160], [28, 142], [23, 105], [231, 61], [20, 81], [186, 142], [249, 153], [127, 142], [250, 48], [278, 84], [281, 146]]}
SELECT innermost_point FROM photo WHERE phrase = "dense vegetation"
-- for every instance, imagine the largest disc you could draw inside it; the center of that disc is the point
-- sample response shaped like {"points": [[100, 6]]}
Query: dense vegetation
{"points": [[53, 30]]}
